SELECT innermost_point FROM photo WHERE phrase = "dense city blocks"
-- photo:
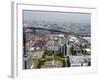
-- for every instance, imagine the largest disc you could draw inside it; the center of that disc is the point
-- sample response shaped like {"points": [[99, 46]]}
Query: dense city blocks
{"points": [[52, 43]]}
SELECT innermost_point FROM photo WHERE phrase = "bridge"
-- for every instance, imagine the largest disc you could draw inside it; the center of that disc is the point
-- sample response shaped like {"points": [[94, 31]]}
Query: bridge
{"points": [[48, 29]]}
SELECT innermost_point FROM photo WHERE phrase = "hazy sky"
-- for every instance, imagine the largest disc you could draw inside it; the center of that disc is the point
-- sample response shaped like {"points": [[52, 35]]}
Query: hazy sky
{"points": [[30, 16]]}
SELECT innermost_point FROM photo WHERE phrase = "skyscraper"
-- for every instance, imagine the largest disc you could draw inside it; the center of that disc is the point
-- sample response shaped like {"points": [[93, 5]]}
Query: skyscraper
{"points": [[63, 50]]}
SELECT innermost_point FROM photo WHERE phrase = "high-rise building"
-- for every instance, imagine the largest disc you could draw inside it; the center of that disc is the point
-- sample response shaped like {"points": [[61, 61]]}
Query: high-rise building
{"points": [[63, 50]]}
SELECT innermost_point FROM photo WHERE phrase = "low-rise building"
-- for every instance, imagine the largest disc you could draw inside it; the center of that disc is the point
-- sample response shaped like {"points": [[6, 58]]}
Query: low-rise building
{"points": [[79, 61], [53, 49]]}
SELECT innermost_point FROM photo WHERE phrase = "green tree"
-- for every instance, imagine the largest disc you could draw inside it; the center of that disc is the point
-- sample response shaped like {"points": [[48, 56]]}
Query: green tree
{"points": [[68, 62], [45, 53], [81, 47], [72, 49]]}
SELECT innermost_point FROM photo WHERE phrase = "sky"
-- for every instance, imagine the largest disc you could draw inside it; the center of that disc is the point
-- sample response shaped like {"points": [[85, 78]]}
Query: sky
{"points": [[30, 16]]}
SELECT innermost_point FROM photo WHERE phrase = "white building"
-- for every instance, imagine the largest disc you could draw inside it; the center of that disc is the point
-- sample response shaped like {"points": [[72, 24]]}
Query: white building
{"points": [[56, 35], [79, 61], [73, 39]]}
